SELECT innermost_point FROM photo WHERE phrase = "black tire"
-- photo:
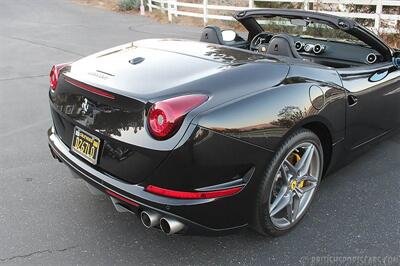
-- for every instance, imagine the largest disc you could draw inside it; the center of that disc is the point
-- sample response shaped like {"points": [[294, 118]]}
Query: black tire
{"points": [[261, 221]]}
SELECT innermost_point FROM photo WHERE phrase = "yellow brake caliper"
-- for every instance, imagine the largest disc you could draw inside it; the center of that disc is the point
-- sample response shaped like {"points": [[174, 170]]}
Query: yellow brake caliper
{"points": [[296, 158]]}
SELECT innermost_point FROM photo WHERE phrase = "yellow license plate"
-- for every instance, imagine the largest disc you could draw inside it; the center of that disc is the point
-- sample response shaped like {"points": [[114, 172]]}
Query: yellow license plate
{"points": [[85, 145]]}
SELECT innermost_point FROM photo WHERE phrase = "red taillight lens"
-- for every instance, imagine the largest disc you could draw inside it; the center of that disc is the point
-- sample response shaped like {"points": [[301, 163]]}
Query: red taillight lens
{"points": [[55, 73], [165, 117], [193, 195]]}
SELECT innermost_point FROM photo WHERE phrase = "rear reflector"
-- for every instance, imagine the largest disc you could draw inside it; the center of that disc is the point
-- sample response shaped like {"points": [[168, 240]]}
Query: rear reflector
{"points": [[193, 195], [90, 88], [120, 197]]}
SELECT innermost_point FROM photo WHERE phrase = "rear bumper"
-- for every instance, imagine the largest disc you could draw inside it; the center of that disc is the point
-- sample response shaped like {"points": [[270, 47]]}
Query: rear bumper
{"points": [[168, 207]]}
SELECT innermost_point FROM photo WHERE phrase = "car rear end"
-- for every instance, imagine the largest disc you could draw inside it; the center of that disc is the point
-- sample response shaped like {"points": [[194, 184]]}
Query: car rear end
{"points": [[142, 147], [95, 133], [104, 138]]}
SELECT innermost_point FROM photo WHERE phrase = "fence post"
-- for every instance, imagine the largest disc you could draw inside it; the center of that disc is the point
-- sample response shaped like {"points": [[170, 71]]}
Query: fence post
{"points": [[378, 12], [305, 7], [141, 8], [169, 10], [251, 3], [205, 12], [175, 9], [149, 3], [162, 6]]}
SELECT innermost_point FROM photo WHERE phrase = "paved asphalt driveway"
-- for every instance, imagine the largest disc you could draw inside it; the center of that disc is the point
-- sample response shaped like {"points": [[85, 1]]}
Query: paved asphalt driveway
{"points": [[48, 218]]}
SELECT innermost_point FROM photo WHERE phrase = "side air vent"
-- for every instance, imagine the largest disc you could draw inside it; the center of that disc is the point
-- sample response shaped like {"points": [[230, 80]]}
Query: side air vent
{"points": [[371, 58]]}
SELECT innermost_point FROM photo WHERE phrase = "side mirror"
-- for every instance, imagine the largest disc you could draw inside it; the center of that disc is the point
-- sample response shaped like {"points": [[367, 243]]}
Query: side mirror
{"points": [[228, 35], [396, 59]]}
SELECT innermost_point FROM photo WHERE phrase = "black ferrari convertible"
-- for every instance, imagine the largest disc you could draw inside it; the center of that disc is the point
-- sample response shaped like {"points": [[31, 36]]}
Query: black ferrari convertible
{"points": [[234, 130]]}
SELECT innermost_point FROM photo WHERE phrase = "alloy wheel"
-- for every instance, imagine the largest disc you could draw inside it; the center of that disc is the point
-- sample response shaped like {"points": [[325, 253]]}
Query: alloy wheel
{"points": [[294, 185]]}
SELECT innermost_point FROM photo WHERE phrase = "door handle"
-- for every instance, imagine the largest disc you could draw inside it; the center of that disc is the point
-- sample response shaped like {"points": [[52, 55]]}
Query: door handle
{"points": [[352, 100]]}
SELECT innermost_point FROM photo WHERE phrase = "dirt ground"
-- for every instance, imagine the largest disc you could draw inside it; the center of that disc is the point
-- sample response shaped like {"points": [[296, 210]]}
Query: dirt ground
{"points": [[106, 4]]}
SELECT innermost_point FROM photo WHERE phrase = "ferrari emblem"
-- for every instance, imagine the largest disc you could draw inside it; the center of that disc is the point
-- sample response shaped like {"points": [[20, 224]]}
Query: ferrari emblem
{"points": [[85, 106]]}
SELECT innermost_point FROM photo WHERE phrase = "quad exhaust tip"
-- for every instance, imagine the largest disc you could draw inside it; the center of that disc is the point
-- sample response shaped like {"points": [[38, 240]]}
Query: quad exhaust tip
{"points": [[170, 226], [150, 218]]}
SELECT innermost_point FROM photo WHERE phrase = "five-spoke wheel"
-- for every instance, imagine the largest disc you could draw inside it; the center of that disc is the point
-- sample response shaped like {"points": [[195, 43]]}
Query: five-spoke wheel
{"points": [[294, 184], [289, 184]]}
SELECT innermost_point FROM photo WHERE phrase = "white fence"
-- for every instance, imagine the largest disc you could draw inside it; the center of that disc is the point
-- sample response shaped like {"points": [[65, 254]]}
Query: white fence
{"points": [[174, 8]]}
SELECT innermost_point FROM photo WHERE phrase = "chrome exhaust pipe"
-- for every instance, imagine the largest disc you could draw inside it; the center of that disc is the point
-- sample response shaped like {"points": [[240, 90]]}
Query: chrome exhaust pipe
{"points": [[150, 218], [170, 226]]}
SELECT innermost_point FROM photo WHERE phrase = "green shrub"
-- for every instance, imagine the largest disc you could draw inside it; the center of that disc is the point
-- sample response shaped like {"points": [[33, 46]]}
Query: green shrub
{"points": [[126, 5]]}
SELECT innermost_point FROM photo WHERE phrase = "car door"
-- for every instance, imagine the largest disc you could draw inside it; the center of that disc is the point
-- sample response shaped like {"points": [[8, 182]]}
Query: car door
{"points": [[373, 102]]}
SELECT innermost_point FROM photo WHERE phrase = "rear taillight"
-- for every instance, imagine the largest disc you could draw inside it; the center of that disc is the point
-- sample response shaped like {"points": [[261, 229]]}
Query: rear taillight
{"points": [[55, 73], [165, 117]]}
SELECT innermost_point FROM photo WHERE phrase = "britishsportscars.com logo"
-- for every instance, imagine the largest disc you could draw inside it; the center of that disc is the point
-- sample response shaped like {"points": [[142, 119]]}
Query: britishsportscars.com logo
{"points": [[350, 260]]}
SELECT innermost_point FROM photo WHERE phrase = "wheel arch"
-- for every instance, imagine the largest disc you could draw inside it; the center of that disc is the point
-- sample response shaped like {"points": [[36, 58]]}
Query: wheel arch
{"points": [[320, 127], [325, 136]]}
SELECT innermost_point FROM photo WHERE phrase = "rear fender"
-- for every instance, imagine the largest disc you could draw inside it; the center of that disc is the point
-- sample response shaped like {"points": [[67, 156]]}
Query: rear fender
{"points": [[265, 119]]}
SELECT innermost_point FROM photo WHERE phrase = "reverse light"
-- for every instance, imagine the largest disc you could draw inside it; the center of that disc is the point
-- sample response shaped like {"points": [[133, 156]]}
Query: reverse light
{"points": [[193, 195], [165, 117], [55, 73]]}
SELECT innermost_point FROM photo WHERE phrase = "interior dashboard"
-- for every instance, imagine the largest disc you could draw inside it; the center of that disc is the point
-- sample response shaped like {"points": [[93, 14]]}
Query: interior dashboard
{"points": [[322, 51]]}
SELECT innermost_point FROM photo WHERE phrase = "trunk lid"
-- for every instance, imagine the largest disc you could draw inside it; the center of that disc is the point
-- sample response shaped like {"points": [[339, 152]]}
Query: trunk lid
{"points": [[145, 69]]}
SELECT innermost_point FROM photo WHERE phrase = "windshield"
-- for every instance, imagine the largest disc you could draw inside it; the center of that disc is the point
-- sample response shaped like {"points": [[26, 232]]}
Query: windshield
{"points": [[306, 29]]}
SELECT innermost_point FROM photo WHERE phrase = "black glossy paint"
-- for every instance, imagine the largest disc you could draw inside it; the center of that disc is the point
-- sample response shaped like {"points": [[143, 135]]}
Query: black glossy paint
{"points": [[255, 102], [376, 110]]}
